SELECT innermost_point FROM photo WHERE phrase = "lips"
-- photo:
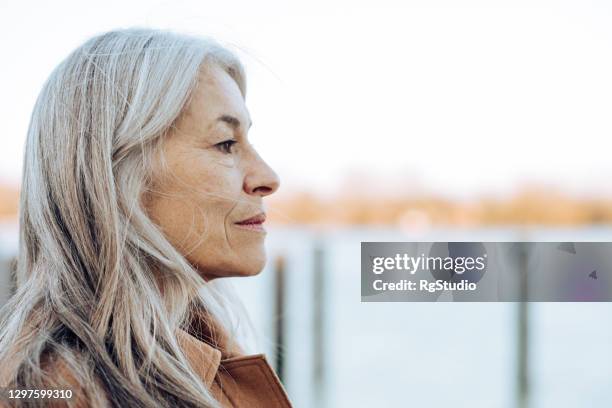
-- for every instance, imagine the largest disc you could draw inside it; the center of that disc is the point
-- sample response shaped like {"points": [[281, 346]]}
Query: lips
{"points": [[253, 224], [255, 220]]}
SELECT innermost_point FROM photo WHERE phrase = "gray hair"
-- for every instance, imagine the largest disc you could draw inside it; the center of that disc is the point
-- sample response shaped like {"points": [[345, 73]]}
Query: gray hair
{"points": [[90, 260]]}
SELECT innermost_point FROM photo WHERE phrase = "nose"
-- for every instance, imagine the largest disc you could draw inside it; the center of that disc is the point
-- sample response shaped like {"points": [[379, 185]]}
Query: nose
{"points": [[261, 180]]}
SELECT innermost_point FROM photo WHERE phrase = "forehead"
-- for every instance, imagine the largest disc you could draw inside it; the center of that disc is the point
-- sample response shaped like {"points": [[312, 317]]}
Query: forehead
{"points": [[216, 94]]}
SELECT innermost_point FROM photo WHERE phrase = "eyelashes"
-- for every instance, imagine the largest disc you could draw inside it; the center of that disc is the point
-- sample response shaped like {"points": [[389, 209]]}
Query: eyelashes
{"points": [[226, 146]]}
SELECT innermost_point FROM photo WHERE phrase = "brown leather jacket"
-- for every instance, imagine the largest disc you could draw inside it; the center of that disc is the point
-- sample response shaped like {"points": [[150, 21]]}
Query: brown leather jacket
{"points": [[242, 381], [236, 381]]}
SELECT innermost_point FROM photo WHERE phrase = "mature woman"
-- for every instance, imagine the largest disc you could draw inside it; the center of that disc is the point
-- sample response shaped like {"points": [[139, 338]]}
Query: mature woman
{"points": [[140, 188]]}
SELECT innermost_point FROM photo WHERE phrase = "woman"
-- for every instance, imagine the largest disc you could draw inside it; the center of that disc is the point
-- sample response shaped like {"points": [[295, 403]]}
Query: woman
{"points": [[140, 188]]}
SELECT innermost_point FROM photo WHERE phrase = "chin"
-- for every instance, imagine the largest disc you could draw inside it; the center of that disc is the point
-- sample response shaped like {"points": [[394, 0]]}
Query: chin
{"points": [[250, 260], [252, 266], [248, 263]]}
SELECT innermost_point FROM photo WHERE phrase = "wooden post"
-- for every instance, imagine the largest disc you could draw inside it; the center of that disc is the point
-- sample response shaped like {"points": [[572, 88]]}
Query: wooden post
{"points": [[318, 324], [523, 331], [279, 317]]}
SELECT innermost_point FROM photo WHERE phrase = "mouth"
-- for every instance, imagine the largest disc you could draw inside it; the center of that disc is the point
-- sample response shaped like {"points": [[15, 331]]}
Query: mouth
{"points": [[254, 223]]}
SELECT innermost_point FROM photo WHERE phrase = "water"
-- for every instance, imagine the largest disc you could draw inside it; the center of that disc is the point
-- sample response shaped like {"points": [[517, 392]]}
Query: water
{"points": [[432, 354], [421, 354]]}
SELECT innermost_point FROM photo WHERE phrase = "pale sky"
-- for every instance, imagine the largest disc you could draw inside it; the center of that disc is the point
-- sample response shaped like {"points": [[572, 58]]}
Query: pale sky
{"points": [[454, 97]]}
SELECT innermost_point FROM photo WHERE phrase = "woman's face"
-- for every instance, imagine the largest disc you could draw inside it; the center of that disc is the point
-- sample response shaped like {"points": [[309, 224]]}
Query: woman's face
{"points": [[213, 182]]}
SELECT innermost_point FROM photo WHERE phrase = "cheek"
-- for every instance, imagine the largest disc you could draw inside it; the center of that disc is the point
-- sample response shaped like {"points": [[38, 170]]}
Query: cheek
{"points": [[207, 181], [215, 193], [193, 202]]}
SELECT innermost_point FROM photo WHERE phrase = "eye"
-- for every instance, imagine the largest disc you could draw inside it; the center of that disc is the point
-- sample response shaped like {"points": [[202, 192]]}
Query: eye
{"points": [[226, 146]]}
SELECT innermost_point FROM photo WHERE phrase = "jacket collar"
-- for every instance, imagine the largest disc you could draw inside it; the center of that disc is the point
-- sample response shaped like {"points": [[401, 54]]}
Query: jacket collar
{"points": [[258, 385], [208, 347], [202, 357]]}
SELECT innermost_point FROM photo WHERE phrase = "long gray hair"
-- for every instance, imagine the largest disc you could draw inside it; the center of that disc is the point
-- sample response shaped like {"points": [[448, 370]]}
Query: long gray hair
{"points": [[92, 266]]}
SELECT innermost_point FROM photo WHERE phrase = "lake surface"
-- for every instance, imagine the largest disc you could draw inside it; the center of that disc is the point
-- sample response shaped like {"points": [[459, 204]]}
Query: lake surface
{"points": [[429, 354], [340, 352]]}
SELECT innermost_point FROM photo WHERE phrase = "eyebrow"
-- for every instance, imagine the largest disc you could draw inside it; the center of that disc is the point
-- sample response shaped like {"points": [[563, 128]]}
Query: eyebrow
{"points": [[233, 121]]}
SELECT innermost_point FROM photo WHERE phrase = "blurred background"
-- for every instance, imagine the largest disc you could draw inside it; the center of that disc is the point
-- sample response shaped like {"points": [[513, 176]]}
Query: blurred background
{"points": [[390, 121]]}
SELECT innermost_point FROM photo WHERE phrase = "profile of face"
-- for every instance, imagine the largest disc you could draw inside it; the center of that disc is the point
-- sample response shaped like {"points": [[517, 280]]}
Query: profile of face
{"points": [[208, 196]]}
